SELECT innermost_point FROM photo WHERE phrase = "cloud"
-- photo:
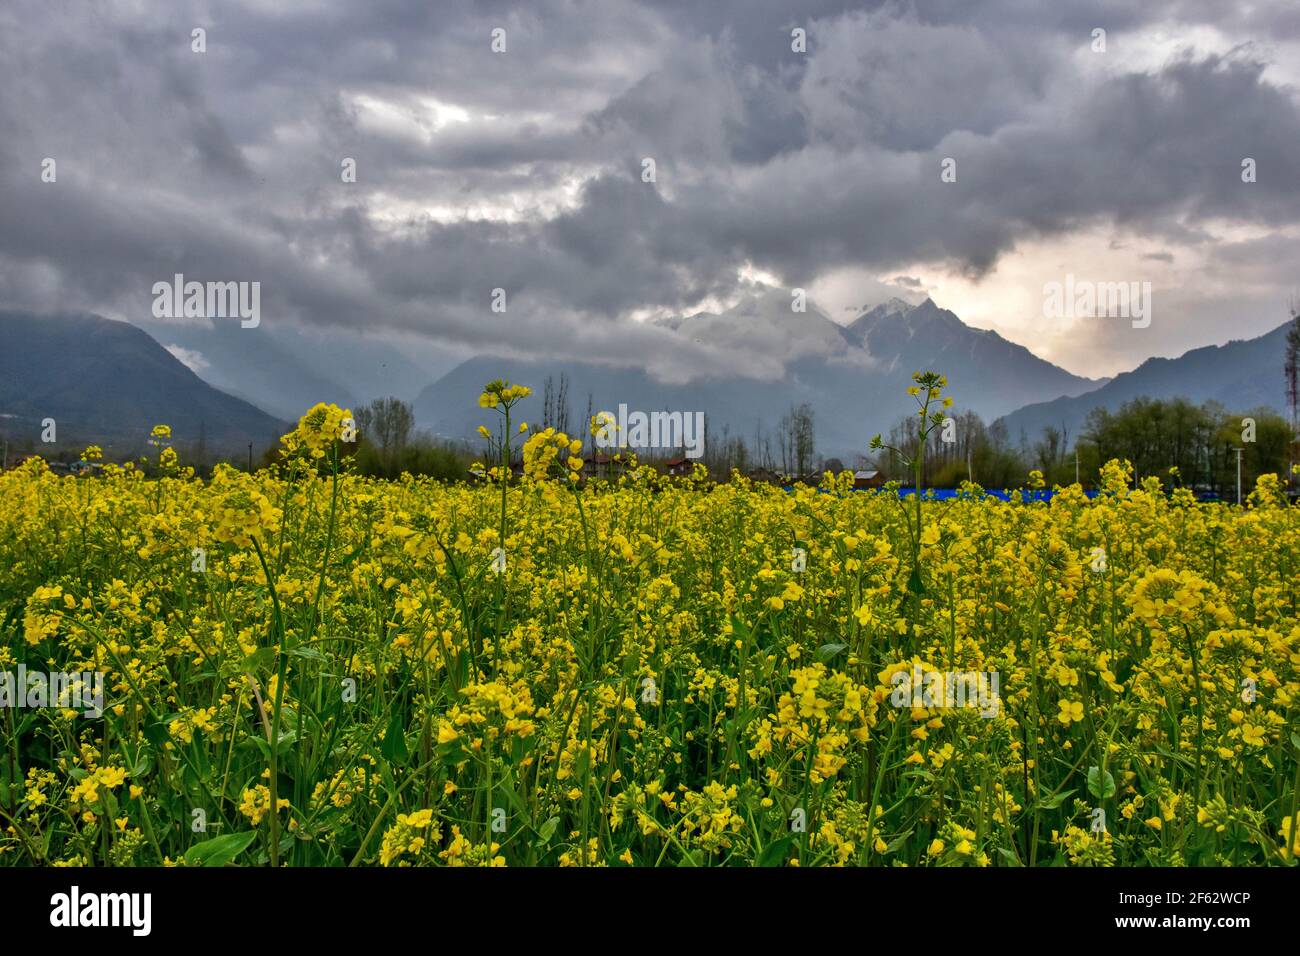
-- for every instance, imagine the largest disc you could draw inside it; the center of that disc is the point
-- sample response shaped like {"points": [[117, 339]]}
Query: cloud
{"points": [[523, 170], [190, 358]]}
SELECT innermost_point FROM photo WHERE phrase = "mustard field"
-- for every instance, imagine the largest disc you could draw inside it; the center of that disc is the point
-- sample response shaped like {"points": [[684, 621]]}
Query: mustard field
{"points": [[300, 667]]}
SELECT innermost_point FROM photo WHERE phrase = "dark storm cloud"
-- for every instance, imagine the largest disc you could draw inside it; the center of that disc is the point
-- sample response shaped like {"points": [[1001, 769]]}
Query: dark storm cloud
{"points": [[522, 170]]}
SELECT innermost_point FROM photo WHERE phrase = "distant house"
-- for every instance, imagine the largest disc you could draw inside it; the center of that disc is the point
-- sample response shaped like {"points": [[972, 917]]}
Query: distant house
{"points": [[868, 479], [679, 467], [603, 466], [813, 478], [765, 476], [85, 468], [485, 475]]}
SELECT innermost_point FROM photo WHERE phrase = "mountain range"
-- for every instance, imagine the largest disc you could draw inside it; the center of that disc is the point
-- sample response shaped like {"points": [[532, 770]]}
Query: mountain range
{"points": [[108, 382], [853, 376], [285, 369], [1241, 375]]}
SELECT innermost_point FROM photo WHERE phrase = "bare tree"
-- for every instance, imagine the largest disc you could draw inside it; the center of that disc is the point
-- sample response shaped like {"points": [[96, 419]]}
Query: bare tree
{"points": [[387, 423], [797, 440], [805, 445], [1293, 364], [1050, 449], [785, 442], [1293, 380], [762, 447], [548, 403], [562, 404], [586, 422]]}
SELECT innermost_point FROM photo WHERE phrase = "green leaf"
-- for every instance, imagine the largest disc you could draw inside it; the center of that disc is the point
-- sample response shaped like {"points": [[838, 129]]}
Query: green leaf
{"points": [[894, 845], [156, 733], [287, 739], [774, 853], [353, 554], [505, 787], [1100, 783], [545, 832], [394, 746], [740, 629], [582, 763], [261, 658], [914, 582], [827, 651], [1052, 803], [219, 850]]}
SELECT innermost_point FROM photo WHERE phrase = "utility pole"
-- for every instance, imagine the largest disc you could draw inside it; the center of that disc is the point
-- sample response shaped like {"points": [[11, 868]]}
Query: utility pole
{"points": [[970, 472], [1076, 464], [250, 457], [1239, 451], [1290, 453]]}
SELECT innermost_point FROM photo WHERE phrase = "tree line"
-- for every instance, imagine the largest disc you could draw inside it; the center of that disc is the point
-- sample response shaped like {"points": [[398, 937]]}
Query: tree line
{"points": [[1175, 440]]}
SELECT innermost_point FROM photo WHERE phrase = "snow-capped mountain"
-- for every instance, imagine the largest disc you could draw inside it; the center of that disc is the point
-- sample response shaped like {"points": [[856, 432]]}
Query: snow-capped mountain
{"points": [[854, 376], [766, 323]]}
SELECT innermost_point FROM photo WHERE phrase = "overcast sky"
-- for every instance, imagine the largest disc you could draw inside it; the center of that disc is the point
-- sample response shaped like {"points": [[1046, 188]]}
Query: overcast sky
{"points": [[523, 169]]}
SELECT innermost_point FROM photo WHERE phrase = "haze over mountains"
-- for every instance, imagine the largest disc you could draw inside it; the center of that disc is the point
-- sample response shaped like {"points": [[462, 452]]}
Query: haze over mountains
{"points": [[109, 382], [1240, 375], [855, 377], [286, 370]]}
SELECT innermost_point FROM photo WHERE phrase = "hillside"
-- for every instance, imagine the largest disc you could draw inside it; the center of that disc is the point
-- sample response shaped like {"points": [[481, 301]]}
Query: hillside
{"points": [[109, 383], [1241, 375], [855, 377]]}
